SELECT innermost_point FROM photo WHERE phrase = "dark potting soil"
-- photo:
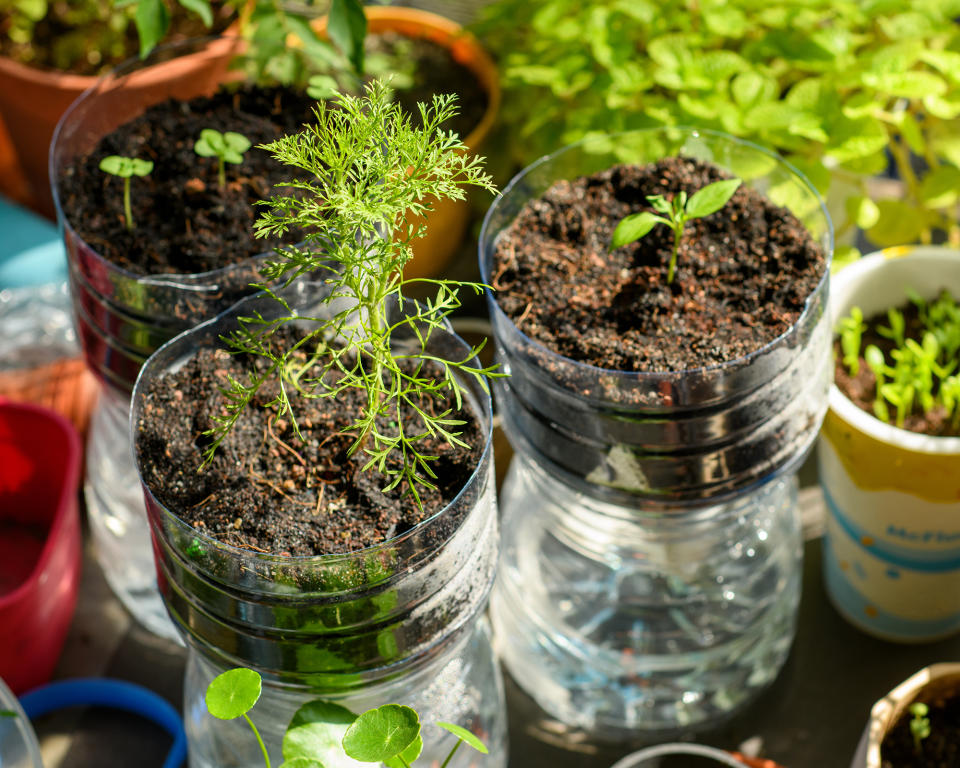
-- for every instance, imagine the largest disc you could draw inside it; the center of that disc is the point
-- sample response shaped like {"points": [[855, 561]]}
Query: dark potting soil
{"points": [[433, 71], [941, 749], [82, 43], [183, 222], [266, 490], [743, 273], [862, 388]]}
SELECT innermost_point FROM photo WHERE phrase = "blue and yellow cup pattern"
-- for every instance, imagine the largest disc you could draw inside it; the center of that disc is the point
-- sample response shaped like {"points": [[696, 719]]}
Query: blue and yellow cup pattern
{"points": [[891, 550]]}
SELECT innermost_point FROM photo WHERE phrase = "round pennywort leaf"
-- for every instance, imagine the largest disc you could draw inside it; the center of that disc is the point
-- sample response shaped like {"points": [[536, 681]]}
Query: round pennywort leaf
{"points": [[381, 733], [233, 693]]}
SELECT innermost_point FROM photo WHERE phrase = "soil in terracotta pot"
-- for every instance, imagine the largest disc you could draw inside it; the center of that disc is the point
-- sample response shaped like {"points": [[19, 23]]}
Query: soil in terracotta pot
{"points": [[430, 70], [743, 273], [941, 749], [862, 388], [82, 41], [183, 222], [268, 491]]}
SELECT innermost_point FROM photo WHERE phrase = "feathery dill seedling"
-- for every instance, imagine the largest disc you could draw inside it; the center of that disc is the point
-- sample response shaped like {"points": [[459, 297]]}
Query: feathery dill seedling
{"points": [[370, 173]]}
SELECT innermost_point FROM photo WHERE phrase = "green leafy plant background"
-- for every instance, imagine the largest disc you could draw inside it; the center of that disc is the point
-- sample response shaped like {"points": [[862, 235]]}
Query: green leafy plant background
{"points": [[839, 87]]}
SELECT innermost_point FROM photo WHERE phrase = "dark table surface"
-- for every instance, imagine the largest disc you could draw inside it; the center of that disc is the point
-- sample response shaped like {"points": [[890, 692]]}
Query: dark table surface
{"points": [[811, 717]]}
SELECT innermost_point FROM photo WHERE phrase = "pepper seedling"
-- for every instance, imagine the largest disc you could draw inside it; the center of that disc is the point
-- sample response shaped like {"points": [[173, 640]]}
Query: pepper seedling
{"points": [[919, 725], [675, 214], [322, 733], [227, 147], [125, 168]]}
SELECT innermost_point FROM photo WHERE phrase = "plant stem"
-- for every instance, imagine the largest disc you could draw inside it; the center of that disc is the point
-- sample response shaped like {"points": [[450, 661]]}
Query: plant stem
{"points": [[677, 236], [221, 175], [452, 753], [127, 215], [263, 748]]}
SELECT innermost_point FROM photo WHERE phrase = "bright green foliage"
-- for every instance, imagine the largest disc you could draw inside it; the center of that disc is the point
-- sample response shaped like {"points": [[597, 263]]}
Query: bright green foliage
{"points": [[227, 147], [675, 214], [920, 374], [369, 170], [91, 35], [831, 84], [125, 168], [325, 735], [919, 725], [271, 25]]}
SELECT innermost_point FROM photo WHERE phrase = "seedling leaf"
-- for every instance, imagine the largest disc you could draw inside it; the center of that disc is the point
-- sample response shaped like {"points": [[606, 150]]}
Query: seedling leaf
{"points": [[634, 227], [711, 198], [408, 755]]}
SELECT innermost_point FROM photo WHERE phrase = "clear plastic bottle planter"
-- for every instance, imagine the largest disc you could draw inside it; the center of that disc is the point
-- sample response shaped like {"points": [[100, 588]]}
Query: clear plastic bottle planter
{"points": [[398, 622], [652, 551], [122, 318], [891, 549]]}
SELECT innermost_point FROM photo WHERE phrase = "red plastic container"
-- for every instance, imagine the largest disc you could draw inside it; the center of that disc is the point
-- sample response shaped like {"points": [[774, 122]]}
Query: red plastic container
{"points": [[39, 540]]}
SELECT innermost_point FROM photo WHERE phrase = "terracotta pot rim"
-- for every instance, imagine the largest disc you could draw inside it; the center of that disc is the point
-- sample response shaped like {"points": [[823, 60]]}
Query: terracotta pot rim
{"points": [[445, 32], [842, 406], [68, 81]]}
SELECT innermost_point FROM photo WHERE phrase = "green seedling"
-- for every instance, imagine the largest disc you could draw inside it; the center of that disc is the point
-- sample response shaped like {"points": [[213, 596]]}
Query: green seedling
{"points": [[675, 214], [919, 725], [851, 332], [322, 733], [920, 372], [7, 713], [369, 177], [227, 147], [125, 168]]}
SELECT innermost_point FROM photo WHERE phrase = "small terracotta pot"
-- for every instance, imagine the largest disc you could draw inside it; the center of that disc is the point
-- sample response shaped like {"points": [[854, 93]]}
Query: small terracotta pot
{"points": [[885, 712], [448, 220], [33, 100]]}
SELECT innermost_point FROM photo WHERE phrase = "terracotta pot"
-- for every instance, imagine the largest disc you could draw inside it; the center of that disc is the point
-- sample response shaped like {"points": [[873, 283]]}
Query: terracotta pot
{"points": [[885, 712], [33, 100], [449, 218], [892, 545]]}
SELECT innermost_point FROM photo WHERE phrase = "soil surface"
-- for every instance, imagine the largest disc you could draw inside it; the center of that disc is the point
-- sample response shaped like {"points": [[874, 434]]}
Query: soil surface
{"points": [[862, 388], [58, 43], [941, 749], [743, 273], [266, 490], [433, 71], [183, 222]]}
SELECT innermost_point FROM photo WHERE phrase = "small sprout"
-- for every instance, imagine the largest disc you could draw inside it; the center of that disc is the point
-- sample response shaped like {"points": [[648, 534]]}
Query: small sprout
{"points": [[851, 332], [7, 713], [895, 331], [323, 733], [125, 167], [226, 147], [675, 214], [876, 363], [919, 725], [321, 87]]}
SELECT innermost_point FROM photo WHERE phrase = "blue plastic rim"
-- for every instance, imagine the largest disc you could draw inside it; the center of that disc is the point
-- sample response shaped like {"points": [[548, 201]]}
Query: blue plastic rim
{"points": [[115, 694]]}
